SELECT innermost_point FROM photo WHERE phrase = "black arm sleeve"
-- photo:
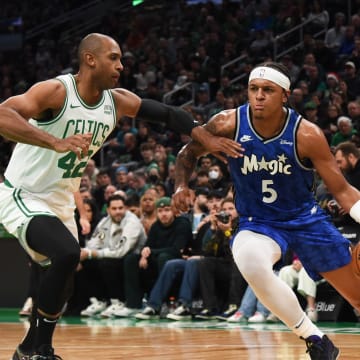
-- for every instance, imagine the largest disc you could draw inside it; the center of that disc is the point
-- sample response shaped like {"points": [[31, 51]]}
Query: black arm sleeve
{"points": [[172, 117]]}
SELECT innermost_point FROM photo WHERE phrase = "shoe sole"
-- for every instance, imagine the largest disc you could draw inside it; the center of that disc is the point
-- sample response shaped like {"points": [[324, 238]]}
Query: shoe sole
{"points": [[178, 318]]}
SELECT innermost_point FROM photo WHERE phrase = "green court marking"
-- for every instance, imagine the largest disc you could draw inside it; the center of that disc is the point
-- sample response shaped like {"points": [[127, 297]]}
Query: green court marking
{"points": [[11, 316]]}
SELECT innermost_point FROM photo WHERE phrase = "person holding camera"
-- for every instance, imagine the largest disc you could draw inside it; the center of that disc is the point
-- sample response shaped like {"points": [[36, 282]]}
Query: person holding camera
{"points": [[215, 269], [185, 269]]}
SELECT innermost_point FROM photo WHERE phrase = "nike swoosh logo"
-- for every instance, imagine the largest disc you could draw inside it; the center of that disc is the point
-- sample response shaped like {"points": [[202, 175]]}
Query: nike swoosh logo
{"points": [[246, 138], [74, 106]]}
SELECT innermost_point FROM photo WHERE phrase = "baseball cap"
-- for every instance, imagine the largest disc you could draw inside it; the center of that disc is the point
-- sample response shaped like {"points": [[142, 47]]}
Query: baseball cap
{"points": [[202, 191], [120, 169], [162, 202], [333, 76], [350, 64], [310, 105]]}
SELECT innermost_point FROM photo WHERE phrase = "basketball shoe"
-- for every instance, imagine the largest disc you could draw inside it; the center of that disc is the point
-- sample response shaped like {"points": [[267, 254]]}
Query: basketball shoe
{"points": [[321, 348]]}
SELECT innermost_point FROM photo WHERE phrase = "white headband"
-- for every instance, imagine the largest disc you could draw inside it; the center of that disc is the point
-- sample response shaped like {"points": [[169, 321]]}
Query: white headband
{"points": [[268, 73]]}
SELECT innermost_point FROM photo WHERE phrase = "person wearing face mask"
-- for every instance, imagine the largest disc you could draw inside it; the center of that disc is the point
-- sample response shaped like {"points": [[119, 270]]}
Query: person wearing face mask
{"points": [[153, 174], [217, 179]]}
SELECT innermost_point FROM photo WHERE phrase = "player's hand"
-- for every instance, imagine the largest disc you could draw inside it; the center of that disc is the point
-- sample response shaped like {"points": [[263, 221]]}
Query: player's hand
{"points": [[221, 146], [79, 144], [183, 199], [217, 145]]}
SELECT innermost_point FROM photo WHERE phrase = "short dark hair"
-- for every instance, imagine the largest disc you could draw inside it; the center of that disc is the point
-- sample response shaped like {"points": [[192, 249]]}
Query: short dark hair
{"points": [[347, 148], [115, 197]]}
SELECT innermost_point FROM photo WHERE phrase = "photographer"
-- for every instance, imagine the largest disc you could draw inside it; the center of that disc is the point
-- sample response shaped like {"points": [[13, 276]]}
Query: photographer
{"points": [[216, 267]]}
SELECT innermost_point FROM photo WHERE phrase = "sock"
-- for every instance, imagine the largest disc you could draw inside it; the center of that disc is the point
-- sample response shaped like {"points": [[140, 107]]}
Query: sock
{"points": [[45, 330], [305, 328]]}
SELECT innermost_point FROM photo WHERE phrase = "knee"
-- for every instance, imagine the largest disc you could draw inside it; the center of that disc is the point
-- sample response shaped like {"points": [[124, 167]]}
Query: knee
{"points": [[69, 258]]}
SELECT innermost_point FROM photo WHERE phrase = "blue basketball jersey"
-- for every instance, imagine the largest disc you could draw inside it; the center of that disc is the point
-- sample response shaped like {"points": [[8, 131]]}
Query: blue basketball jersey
{"points": [[271, 184], [274, 196]]}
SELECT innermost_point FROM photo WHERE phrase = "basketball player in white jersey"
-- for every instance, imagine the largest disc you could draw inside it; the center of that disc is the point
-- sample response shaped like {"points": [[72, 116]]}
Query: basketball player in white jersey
{"points": [[37, 196]]}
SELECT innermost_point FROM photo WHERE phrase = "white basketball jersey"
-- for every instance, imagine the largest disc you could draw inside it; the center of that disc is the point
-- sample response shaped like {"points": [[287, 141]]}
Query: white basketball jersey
{"points": [[38, 170]]}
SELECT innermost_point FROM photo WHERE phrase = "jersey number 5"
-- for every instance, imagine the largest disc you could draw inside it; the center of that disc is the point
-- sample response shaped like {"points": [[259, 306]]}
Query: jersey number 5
{"points": [[269, 194]]}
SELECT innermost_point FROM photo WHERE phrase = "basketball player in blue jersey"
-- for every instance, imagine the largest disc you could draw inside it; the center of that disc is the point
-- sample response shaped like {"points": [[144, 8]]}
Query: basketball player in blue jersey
{"points": [[37, 196], [273, 182]]}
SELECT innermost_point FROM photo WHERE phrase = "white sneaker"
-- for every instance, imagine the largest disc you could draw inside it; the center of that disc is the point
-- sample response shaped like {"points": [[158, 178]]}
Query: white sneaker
{"points": [[27, 307], [237, 317], [258, 317], [114, 306], [312, 314], [94, 308], [126, 312], [272, 318]]}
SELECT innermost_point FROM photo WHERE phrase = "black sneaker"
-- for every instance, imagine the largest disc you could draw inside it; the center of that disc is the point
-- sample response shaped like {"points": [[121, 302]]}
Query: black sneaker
{"points": [[180, 313], [45, 352], [231, 310], [321, 348], [21, 355], [148, 313], [206, 314]]}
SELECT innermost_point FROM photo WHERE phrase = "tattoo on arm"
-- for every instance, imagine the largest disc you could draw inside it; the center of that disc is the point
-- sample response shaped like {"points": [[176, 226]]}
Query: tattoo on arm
{"points": [[185, 165]]}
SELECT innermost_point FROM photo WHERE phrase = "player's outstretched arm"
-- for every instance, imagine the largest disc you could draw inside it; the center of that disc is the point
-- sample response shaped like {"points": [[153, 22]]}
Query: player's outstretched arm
{"points": [[177, 120], [222, 124], [44, 96], [16, 128]]}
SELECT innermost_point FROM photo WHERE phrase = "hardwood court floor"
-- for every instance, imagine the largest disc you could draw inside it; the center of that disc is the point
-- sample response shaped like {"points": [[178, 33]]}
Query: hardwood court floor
{"points": [[127, 339]]}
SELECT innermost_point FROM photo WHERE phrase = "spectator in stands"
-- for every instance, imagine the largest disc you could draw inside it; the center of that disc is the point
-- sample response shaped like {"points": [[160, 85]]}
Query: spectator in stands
{"points": [[296, 100], [140, 182], [355, 55], [103, 179], [310, 110], [319, 16], [347, 156], [335, 35], [129, 153], [217, 178], [147, 152], [348, 43], [215, 269], [328, 122], [353, 110], [345, 131], [352, 80], [293, 69], [92, 171], [147, 209], [108, 192], [132, 202], [168, 236], [170, 179], [93, 215], [121, 178], [215, 106], [100, 277], [251, 309]]}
